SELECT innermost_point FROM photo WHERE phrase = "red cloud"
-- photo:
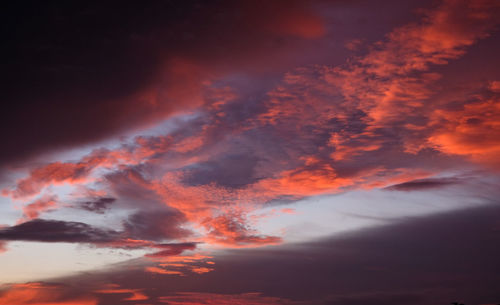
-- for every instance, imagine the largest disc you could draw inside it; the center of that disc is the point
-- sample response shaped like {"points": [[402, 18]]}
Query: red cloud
{"points": [[41, 294]]}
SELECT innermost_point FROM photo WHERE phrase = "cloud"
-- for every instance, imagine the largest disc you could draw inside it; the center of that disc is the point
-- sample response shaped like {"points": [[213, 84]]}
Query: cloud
{"points": [[471, 130], [201, 270], [56, 231], [230, 171], [156, 225], [59, 173], [42, 294], [395, 84], [231, 229], [196, 298], [413, 261], [171, 261], [159, 68], [424, 184], [380, 299], [34, 209], [373, 122], [157, 270], [388, 118], [99, 205], [43, 230], [134, 294], [171, 249]]}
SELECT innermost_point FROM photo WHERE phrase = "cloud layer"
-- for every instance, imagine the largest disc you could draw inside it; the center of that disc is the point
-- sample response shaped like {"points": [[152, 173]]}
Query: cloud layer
{"points": [[172, 129]]}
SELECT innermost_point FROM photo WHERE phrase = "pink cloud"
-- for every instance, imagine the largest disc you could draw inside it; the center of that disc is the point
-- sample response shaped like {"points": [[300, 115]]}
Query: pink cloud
{"points": [[34, 209]]}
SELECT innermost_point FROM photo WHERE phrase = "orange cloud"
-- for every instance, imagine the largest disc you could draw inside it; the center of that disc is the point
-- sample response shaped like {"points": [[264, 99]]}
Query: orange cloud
{"points": [[59, 173], [134, 294], [158, 270], [201, 270], [40, 294], [472, 131], [306, 181], [231, 229], [392, 83], [180, 264]]}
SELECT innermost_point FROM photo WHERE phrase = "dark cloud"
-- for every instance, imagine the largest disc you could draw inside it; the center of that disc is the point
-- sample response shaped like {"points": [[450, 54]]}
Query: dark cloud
{"points": [[156, 225], [131, 182], [145, 227], [57, 231], [426, 260], [99, 205], [436, 259], [78, 72], [379, 299], [424, 184], [233, 171]]}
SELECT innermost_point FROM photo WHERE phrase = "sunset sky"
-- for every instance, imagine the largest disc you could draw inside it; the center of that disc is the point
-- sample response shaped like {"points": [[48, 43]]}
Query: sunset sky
{"points": [[250, 152]]}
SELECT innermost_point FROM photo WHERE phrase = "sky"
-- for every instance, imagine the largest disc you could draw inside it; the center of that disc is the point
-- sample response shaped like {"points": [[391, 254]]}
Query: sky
{"points": [[250, 152]]}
